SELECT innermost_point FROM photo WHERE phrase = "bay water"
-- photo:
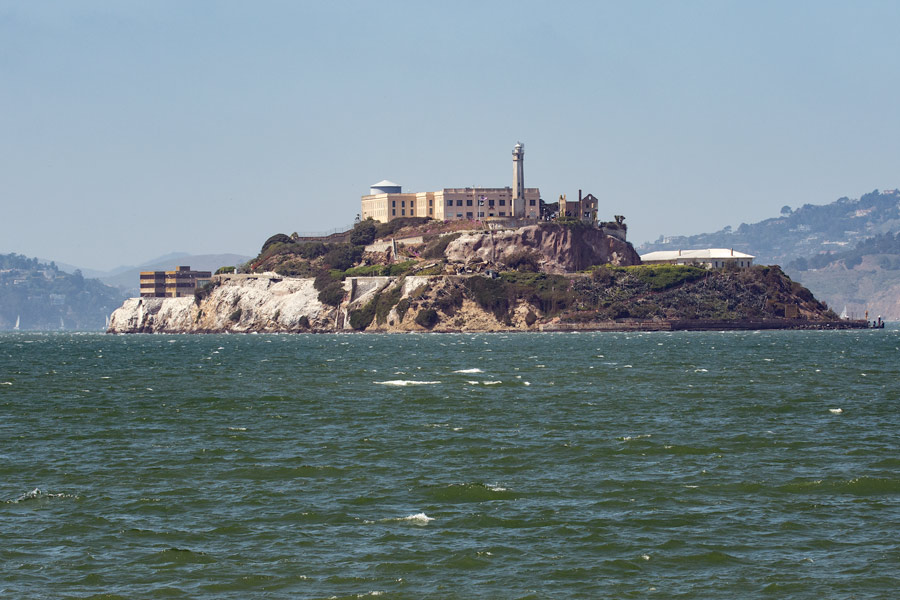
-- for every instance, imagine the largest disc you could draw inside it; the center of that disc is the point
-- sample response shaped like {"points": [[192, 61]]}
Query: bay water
{"points": [[576, 465]]}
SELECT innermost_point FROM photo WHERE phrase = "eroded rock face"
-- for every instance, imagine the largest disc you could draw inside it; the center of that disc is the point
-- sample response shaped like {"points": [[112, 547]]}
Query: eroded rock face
{"points": [[560, 249], [267, 303]]}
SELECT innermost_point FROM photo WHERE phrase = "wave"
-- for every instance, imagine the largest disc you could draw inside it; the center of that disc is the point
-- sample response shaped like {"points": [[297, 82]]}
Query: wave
{"points": [[405, 382], [469, 371], [417, 519]]}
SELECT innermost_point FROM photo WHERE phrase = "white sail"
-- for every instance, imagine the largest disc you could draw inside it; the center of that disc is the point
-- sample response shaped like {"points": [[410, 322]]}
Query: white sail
{"points": [[16, 328], [843, 314]]}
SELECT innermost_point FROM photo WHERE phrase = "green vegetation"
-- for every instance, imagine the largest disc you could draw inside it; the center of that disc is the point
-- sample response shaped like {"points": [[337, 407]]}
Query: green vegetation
{"points": [[364, 233], [395, 225], [331, 290], [434, 249], [663, 277], [362, 317], [342, 256], [427, 318], [224, 270]]}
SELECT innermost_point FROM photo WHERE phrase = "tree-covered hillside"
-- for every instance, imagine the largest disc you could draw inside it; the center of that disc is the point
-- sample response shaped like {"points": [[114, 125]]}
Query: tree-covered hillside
{"points": [[846, 252], [41, 297], [805, 232]]}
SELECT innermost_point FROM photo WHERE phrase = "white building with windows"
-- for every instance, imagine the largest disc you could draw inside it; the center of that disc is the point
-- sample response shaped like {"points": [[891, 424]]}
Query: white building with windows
{"points": [[711, 258], [387, 201]]}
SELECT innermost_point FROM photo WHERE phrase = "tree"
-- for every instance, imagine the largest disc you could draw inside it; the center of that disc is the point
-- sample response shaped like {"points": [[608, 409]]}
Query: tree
{"points": [[786, 210], [363, 233]]}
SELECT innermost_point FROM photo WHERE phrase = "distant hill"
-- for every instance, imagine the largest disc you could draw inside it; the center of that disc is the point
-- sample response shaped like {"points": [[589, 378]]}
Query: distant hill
{"points": [[846, 252], [39, 296]]}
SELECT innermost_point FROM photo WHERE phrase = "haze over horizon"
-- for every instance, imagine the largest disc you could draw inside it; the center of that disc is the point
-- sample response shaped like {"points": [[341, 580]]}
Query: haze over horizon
{"points": [[130, 130]]}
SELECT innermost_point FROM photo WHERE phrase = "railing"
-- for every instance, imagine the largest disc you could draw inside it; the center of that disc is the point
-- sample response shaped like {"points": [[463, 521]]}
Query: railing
{"points": [[316, 234]]}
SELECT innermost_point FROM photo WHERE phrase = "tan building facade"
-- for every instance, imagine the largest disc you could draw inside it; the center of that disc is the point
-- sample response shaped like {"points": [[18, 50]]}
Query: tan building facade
{"points": [[386, 200], [172, 284], [450, 204]]}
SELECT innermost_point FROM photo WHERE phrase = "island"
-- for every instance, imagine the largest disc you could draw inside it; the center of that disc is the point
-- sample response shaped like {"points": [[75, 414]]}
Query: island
{"points": [[417, 274]]}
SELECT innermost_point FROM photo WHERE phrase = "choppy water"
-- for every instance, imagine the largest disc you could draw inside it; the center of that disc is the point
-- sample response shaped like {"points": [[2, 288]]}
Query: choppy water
{"points": [[670, 465]]}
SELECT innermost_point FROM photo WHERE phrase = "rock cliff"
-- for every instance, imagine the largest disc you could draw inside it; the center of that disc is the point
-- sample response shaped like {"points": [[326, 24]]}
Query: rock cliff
{"points": [[557, 248], [656, 297]]}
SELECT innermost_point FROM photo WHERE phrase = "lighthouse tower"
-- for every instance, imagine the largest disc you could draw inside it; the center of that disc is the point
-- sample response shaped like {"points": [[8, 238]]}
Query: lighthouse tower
{"points": [[518, 190]]}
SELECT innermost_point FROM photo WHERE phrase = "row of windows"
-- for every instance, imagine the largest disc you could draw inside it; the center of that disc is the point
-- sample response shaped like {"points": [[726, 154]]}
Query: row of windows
{"points": [[481, 203], [411, 203]]}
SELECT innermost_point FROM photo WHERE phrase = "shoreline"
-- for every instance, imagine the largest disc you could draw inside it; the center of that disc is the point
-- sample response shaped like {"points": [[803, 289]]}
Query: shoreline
{"points": [[615, 326]]}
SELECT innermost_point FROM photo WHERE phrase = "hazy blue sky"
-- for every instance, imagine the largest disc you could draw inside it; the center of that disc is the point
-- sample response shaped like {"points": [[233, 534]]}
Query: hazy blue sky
{"points": [[132, 129]]}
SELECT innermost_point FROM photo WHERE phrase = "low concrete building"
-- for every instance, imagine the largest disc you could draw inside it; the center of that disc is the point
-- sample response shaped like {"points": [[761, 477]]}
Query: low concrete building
{"points": [[172, 284], [711, 258]]}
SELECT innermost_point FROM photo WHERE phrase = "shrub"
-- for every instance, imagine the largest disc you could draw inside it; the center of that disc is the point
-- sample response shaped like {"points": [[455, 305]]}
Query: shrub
{"points": [[362, 317], [435, 248], [386, 301], [223, 270], [295, 268], [343, 256], [363, 233], [367, 271], [403, 268], [278, 238], [525, 260], [450, 301], [603, 275], [489, 294], [427, 318], [663, 277], [402, 307], [332, 294], [394, 225], [311, 250]]}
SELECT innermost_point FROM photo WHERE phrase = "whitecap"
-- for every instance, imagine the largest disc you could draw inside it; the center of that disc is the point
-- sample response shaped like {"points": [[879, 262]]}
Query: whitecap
{"points": [[476, 370], [405, 382], [6, 383], [35, 493], [492, 382], [418, 518], [701, 371], [237, 429], [526, 383], [835, 411]]}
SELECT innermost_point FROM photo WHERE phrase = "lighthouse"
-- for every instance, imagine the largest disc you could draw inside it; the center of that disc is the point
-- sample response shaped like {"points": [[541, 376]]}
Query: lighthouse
{"points": [[518, 190]]}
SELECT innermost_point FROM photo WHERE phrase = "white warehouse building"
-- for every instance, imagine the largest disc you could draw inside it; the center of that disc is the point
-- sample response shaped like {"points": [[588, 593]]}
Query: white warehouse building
{"points": [[711, 258]]}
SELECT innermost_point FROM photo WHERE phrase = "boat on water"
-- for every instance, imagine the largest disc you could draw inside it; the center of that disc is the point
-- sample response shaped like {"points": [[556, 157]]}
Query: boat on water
{"points": [[844, 314], [18, 318]]}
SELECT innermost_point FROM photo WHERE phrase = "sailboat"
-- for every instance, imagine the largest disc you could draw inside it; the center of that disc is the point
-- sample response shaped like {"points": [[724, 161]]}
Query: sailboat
{"points": [[61, 324], [843, 314], [16, 328]]}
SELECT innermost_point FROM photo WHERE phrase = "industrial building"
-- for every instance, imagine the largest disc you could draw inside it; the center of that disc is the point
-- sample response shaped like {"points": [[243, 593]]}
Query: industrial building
{"points": [[711, 258], [172, 284]]}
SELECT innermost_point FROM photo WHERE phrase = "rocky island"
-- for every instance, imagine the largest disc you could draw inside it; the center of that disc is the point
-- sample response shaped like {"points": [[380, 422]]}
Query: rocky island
{"points": [[416, 274]]}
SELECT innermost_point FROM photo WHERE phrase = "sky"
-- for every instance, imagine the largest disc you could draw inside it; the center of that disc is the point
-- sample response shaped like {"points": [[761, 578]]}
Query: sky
{"points": [[131, 129]]}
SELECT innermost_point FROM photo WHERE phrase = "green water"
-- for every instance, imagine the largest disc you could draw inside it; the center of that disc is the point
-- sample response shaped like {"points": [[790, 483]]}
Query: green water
{"points": [[669, 465]]}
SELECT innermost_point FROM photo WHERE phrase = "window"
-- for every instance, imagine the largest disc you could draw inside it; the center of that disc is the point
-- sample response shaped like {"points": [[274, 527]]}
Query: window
{"points": [[481, 214], [468, 203], [403, 212], [394, 203], [502, 213], [459, 202], [490, 202], [403, 203], [431, 203], [502, 202], [459, 215], [489, 214], [449, 202], [531, 202], [393, 212], [468, 215]]}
